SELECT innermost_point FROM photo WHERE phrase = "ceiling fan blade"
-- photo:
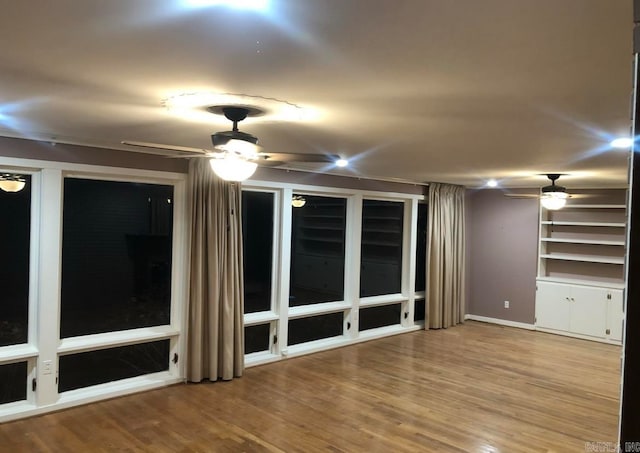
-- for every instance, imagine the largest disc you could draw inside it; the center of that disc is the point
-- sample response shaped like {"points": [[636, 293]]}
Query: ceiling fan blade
{"points": [[299, 157], [521, 195], [182, 149]]}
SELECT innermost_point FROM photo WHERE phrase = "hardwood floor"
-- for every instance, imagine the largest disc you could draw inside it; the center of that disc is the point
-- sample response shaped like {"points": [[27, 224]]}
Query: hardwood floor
{"points": [[472, 388]]}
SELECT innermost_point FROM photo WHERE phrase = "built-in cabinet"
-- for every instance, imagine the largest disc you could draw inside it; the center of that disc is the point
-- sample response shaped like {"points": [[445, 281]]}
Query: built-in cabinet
{"points": [[581, 266], [580, 310]]}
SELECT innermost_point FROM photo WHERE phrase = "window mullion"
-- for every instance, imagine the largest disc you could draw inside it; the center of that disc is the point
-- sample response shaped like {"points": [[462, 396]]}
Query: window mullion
{"points": [[285, 215], [409, 254], [352, 260], [49, 273]]}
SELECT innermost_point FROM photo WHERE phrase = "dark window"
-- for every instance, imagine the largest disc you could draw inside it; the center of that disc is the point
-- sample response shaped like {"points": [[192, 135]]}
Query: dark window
{"points": [[419, 309], [257, 246], [107, 365], [13, 382], [317, 251], [116, 256], [421, 248], [256, 338], [381, 250], [385, 315], [303, 330], [14, 265]]}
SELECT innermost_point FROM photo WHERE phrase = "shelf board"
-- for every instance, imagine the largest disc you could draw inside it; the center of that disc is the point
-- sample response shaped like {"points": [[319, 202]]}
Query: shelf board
{"points": [[584, 258], [329, 228], [327, 240], [578, 281], [381, 217], [379, 230], [595, 206], [587, 224], [582, 241]]}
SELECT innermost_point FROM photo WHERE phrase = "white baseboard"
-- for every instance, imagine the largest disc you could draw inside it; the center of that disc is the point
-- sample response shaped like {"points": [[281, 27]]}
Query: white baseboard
{"points": [[502, 322]]}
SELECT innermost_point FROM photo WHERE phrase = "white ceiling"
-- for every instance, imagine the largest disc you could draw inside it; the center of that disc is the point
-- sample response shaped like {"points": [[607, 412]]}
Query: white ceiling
{"points": [[453, 91]]}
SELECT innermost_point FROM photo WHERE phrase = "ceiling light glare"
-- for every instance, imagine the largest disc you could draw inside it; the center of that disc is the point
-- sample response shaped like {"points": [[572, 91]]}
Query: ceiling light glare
{"points": [[256, 5], [492, 183], [621, 143], [193, 106], [342, 163], [554, 200]]}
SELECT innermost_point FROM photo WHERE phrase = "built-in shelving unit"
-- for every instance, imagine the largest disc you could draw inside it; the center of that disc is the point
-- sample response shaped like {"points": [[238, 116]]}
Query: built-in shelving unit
{"points": [[581, 266]]}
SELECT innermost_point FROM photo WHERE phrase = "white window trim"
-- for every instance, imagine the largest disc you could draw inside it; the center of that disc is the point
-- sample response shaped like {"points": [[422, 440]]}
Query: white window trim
{"points": [[282, 313], [44, 291]]}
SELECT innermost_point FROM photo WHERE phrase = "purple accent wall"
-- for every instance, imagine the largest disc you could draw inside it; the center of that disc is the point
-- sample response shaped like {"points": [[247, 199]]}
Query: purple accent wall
{"points": [[30, 149], [502, 250]]}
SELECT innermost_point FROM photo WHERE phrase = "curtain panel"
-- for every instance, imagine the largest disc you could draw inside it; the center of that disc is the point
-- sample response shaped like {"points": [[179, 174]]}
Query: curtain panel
{"points": [[215, 332], [445, 256]]}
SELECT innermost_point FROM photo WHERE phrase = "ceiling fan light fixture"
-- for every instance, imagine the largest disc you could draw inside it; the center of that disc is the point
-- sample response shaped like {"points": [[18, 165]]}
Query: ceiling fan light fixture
{"points": [[298, 201], [11, 185], [243, 148], [10, 182], [554, 200], [232, 168]]}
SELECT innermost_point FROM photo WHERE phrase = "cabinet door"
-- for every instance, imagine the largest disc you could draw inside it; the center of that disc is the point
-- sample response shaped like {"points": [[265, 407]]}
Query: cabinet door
{"points": [[589, 306], [553, 308], [615, 315]]}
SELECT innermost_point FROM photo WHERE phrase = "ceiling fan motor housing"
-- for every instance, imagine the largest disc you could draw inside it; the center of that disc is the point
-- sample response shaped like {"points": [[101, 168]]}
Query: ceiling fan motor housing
{"points": [[222, 138], [553, 188]]}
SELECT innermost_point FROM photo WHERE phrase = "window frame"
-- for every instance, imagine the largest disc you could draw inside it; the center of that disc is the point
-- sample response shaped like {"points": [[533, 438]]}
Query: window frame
{"points": [[44, 343], [352, 302]]}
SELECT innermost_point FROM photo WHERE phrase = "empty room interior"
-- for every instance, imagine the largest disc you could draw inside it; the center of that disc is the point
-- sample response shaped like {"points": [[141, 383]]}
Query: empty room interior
{"points": [[284, 225]]}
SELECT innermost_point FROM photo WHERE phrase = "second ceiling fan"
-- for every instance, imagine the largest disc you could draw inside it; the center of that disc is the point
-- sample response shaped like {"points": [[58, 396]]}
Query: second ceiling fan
{"points": [[552, 196]]}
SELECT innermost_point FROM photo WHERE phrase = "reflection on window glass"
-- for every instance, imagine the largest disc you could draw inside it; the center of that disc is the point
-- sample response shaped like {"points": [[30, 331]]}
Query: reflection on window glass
{"points": [[116, 256], [13, 382], [317, 251], [381, 251], [257, 246], [419, 310], [108, 365], [385, 315], [315, 328], [256, 338], [15, 224], [421, 248]]}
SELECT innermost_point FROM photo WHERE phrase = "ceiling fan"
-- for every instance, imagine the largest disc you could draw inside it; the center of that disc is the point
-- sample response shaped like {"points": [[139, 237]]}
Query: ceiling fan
{"points": [[552, 196], [10, 182], [236, 154]]}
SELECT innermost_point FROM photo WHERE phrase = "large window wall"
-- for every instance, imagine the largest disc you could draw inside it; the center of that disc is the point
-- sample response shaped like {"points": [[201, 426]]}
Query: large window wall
{"points": [[332, 268], [93, 284]]}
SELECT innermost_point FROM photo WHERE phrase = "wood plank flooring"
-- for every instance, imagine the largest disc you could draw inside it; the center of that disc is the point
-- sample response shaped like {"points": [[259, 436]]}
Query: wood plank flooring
{"points": [[472, 388]]}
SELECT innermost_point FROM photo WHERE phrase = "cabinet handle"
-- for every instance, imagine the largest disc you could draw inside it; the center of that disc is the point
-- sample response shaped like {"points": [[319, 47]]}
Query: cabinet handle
{"points": [[567, 299], [572, 299]]}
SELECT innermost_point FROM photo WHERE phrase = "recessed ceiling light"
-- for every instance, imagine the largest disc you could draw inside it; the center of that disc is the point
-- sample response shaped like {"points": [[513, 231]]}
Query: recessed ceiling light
{"points": [[621, 142], [342, 162], [492, 183], [259, 5]]}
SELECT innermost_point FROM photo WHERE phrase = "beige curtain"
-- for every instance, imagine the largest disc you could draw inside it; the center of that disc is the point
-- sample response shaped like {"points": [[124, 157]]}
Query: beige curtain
{"points": [[445, 256], [215, 330]]}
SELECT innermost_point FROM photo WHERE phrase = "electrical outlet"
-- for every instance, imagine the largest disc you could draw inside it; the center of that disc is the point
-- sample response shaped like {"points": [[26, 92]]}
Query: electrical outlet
{"points": [[47, 366], [506, 304]]}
